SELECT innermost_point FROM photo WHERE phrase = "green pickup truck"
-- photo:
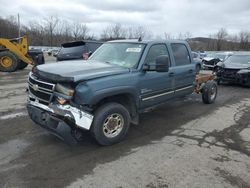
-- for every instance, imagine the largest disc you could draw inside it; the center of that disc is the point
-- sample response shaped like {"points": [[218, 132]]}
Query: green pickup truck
{"points": [[106, 93]]}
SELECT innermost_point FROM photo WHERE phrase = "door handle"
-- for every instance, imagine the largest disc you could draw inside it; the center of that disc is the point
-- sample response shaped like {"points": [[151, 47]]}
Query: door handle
{"points": [[190, 71], [171, 74]]}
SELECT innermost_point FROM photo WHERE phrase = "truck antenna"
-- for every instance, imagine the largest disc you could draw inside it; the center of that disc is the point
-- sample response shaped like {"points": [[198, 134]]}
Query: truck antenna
{"points": [[139, 39]]}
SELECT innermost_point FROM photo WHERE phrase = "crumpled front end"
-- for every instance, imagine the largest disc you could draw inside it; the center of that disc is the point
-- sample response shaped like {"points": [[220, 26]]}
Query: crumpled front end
{"points": [[61, 120], [209, 64], [237, 76]]}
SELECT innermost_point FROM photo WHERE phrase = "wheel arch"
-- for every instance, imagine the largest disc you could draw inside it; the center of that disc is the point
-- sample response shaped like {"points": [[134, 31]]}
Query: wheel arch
{"points": [[126, 98]]}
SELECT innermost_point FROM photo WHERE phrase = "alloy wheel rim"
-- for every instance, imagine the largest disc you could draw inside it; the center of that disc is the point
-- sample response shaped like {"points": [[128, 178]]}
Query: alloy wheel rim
{"points": [[113, 125]]}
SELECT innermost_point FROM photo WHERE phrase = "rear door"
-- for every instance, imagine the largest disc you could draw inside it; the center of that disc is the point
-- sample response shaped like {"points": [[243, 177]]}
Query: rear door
{"points": [[183, 69], [155, 87]]}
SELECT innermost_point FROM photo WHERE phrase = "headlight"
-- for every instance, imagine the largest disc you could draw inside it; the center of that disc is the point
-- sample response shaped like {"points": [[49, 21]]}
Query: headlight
{"points": [[64, 90]]}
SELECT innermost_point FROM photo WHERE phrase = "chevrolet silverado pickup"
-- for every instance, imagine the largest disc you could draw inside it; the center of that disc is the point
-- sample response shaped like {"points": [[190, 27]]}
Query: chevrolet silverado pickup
{"points": [[106, 93]]}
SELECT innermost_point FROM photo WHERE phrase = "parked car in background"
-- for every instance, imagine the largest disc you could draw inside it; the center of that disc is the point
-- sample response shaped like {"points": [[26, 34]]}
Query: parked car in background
{"points": [[77, 50], [53, 52], [235, 69], [202, 54], [212, 59], [197, 60]]}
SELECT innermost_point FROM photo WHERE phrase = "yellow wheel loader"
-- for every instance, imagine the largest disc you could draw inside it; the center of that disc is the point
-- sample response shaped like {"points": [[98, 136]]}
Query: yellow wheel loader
{"points": [[15, 54]]}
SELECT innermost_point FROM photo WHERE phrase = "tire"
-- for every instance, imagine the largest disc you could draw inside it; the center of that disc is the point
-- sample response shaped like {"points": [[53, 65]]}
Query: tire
{"points": [[107, 114], [197, 68], [8, 61], [22, 65], [209, 92]]}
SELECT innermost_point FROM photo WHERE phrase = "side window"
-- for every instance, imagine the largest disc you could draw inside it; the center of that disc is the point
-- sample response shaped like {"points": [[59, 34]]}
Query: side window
{"points": [[181, 54], [155, 51]]}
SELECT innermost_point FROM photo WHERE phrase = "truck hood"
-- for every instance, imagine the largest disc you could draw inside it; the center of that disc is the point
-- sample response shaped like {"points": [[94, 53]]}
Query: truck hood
{"points": [[75, 71]]}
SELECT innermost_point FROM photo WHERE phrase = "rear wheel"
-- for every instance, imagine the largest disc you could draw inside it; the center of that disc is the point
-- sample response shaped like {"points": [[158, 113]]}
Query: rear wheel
{"points": [[111, 124], [209, 92], [8, 61]]}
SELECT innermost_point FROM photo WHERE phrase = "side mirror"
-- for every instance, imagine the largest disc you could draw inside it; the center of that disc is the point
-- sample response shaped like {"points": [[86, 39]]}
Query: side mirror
{"points": [[161, 64]]}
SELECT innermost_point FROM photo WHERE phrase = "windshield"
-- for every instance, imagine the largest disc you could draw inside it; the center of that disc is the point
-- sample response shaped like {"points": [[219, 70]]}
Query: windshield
{"points": [[121, 54], [241, 59]]}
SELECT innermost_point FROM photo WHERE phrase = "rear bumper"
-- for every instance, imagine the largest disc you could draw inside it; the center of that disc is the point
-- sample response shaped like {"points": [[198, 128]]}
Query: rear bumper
{"points": [[59, 120]]}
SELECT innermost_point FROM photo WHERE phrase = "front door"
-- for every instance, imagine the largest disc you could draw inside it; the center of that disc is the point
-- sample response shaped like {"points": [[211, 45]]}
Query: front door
{"points": [[155, 87]]}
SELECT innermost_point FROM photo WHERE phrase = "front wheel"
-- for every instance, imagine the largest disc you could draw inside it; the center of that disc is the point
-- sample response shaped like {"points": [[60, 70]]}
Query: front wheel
{"points": [[209, 92], [111, 123]]}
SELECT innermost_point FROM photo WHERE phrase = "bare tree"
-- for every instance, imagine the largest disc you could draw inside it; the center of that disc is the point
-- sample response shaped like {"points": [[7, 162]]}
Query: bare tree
{"points": [[244, 37], [62, 32], [118, 32], [139, 31], [168, 36], [221, 37], [142, 32], [115, 31], [180, 36], [50, 25], [9, 27], [36, 33], [233, 42], [187, 35], [79, 31], [105, 34], [130, 33]]}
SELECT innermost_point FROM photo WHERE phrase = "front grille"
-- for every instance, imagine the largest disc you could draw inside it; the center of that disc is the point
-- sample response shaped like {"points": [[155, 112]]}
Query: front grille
{"points": [[41, 90]]}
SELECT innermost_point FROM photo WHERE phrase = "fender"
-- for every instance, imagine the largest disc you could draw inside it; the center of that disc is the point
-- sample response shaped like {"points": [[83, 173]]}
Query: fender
{"points": [[109, 92]]}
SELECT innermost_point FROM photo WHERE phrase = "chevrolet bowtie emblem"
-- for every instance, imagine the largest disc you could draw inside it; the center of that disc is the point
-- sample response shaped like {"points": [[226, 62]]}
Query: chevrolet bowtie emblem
{"points": [[35, 87]]}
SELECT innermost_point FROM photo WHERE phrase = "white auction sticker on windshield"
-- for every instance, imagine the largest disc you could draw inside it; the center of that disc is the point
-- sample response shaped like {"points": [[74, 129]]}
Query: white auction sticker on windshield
{"points": [[137, 50]]}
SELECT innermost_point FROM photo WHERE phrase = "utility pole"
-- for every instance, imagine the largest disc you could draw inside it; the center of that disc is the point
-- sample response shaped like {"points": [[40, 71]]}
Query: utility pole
{"points": [[19, 25]]}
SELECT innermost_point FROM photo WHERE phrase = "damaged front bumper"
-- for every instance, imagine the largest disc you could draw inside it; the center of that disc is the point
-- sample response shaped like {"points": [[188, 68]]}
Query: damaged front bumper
{"points": [[60, 120], [239, 77]]}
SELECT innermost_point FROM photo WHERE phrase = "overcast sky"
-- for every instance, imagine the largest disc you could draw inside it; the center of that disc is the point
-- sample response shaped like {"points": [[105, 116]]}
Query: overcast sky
{"points": [[198, 17]]}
